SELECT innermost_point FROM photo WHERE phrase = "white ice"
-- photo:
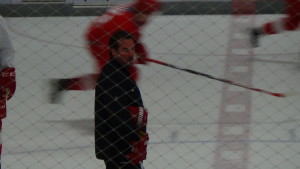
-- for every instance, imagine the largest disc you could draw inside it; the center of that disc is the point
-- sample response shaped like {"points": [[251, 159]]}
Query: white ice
{"points": [[184, 108]]}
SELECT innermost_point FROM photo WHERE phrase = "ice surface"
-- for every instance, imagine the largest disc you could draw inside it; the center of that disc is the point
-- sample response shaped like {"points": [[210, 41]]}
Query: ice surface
{"points": [[184, 108]]}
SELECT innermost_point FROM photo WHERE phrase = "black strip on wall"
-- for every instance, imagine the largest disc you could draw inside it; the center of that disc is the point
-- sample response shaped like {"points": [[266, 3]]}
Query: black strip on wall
{"points": [[169, 8]]}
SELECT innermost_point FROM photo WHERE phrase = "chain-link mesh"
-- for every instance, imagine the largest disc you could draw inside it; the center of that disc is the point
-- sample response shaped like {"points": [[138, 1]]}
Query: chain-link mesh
{"points": [[194, 122]]}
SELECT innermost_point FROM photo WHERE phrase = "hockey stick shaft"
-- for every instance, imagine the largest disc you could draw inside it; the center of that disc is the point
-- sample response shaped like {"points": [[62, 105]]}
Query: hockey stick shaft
{"points": [[215, 78]]}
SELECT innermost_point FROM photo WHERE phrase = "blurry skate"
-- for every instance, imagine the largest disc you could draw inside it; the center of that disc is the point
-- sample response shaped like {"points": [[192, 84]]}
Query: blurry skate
{"points": [[56, 91], [254, 35]]}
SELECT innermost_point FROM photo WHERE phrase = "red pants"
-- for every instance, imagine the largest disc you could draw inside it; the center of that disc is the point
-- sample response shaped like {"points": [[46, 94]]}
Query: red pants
{"points": [[289, 23]]}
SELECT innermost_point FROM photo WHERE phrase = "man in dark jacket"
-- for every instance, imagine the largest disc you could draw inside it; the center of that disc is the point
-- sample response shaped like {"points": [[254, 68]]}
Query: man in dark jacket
{"points": [[120, 118]]}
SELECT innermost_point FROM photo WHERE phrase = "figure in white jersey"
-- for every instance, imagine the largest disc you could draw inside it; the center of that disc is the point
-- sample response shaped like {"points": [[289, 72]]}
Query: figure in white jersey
{"points": [[7, 73], [290, 22]]}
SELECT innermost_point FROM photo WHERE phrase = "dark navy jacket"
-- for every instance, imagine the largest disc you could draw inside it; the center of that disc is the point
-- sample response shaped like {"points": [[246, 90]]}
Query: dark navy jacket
{"points": [[114, 129]]}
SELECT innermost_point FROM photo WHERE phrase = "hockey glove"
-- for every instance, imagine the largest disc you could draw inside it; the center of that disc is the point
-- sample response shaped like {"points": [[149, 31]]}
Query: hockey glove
{"points": [[7, 83], [2, 109], [139, 149], [139, 117]]}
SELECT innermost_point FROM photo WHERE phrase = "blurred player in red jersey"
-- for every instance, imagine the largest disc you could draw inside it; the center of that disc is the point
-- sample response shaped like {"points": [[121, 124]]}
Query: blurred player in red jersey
{"points": [[7, 73], [131, 18], [288, 23]]}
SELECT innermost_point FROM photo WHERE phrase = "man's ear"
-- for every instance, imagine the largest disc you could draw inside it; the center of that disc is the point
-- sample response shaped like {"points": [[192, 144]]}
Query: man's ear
{"points": [[113, 52]]}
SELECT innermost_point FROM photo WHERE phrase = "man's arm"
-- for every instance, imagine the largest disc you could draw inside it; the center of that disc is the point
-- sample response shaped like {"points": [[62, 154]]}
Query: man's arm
{"points": [[7, 70], [112, 100]]}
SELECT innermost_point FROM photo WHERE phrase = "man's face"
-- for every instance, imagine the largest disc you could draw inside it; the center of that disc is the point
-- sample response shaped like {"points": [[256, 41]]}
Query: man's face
{"points": [[125, 54]]}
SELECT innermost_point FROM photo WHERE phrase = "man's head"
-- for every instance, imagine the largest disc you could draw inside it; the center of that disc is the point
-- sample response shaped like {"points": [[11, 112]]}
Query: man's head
{"points": [[122, 47], [143, 9]]}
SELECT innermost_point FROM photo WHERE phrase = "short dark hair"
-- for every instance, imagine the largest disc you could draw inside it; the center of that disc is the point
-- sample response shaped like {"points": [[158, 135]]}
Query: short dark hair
{"points": [[116, 37]]}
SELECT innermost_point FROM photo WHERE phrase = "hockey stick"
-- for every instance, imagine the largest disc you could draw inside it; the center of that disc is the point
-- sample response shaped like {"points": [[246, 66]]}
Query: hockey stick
{"points": [[215, 78]]}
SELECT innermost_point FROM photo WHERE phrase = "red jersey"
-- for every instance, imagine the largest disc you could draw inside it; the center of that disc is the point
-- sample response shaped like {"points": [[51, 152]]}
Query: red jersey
{"points": [[293, 8], [101, 30]]}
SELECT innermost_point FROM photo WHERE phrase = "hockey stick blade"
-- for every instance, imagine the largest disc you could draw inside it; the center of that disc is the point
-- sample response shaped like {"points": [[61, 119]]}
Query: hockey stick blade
{"points": [[215, 78], [292, 93]]}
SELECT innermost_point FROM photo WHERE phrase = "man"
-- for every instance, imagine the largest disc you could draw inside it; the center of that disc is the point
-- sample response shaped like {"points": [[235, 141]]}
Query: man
{"points": [[7, 72], [131, 18], [120, 118], [288, 23]]}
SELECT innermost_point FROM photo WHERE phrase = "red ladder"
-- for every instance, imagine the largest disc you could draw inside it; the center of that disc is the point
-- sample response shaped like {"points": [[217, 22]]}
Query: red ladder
{"points": [[232, 147]]}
